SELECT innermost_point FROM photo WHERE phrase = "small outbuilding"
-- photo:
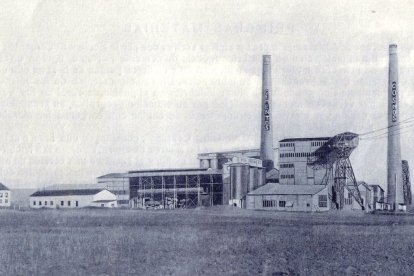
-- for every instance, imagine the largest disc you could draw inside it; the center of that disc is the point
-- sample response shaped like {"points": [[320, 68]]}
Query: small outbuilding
{"points": [[55, 199], [299, 198], [5, 196]]}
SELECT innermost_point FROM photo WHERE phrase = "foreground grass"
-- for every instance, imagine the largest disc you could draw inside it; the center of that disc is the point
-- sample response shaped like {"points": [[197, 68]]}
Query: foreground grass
{"points": [[218, 241]]}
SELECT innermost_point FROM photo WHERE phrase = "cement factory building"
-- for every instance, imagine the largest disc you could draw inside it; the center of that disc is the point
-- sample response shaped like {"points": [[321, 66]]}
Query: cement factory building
{"points": [[315, 174]]}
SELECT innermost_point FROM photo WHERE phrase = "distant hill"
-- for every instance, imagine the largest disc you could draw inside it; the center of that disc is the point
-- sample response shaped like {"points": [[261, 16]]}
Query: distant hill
{"points": [[20, 197]]}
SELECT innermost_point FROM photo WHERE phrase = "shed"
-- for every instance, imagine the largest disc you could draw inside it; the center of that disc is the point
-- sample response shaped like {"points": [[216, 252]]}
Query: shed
{"points": [[300, 198], [75, 198]]}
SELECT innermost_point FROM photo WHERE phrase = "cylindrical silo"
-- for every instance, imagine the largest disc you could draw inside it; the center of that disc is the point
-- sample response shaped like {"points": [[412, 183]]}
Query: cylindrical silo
{"points": [[239, 179], [204, 163], [214, 163]]}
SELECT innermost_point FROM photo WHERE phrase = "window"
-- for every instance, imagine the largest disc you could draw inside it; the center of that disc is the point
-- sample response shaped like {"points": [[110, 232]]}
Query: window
{"points": [[62, 203], [323, 200], [6, 194], [269, 203], [51, 203], [34, 202], [40, 203], [282, 203], [45, 203], [1, 194], [77, 204], [102, 205], [68, 202]]}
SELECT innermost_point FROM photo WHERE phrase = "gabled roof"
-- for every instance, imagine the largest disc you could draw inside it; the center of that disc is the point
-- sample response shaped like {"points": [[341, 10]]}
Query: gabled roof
{"points": [[67, 192], [2, 187], [368, 187], [278, 189], [272, 174]]}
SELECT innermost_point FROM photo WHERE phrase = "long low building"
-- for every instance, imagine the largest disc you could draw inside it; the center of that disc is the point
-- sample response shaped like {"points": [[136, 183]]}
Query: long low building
{"points": [[55, 199], [299, 198]]}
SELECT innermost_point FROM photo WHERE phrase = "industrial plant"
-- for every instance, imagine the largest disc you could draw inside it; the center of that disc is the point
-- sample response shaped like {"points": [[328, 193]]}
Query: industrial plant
{"points": [[310, 174]]}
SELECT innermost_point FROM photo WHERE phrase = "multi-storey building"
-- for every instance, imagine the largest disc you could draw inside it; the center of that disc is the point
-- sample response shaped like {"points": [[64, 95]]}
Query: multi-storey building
{"points": [[293, 157]]}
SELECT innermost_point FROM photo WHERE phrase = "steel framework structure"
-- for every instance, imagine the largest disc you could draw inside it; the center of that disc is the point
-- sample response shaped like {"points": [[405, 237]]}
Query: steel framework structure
{"points": [[176, 191], [406, 182], [333, 156]]}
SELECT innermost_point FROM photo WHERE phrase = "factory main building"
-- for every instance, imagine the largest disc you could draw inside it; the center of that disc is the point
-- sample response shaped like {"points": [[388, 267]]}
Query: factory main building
{"points": [[313, 174]]}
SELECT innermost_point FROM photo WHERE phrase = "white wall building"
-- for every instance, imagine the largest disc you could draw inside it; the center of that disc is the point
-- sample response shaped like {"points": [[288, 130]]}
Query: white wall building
{"points": [[73, 199], [293, 157], [5, 196], [300, 198], [367, 196]]}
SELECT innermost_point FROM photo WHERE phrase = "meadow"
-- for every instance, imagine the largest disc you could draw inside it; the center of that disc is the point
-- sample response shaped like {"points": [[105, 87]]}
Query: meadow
{"points": [[215, 241]]}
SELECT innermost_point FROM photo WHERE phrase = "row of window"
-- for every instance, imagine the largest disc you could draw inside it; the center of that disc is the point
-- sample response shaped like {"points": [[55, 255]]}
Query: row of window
{"points": [[5, 201], [299, 154], [317, 143], [286, 176], [287, 166], [323, 200], [285, 145], [5, 194], [273, 203], [51, 203]]}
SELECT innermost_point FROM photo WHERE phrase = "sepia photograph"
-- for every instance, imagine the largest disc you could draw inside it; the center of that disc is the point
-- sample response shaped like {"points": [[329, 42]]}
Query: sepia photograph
{"points": [[250, 137]]}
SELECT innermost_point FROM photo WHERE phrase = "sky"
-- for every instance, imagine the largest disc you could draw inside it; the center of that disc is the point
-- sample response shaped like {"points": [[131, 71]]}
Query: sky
{"points": [[94, 87]]}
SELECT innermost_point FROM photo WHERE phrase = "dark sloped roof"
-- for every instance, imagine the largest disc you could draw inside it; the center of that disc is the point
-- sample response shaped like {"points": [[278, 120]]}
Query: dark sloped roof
{"points": [[67, 192], [2, 187], [304, 139]]}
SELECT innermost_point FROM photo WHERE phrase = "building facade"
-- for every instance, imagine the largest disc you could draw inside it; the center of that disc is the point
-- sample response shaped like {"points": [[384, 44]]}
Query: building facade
{"points": [[293, 157], [71, 199], [5, 196], [293, 198]]}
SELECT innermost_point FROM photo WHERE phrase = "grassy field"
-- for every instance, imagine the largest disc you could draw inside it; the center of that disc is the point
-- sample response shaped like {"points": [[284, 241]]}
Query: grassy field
{"points": [[217, 241]]}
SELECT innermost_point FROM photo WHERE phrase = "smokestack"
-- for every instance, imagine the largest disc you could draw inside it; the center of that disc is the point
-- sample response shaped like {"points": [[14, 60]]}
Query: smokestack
{"points": [[394, 176], [266, 141]]}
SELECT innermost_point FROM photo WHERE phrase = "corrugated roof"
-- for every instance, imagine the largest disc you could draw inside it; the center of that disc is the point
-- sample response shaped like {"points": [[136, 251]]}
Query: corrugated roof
{"points": [[278, 189], [3, 187], [67, 192], [304, 139]]}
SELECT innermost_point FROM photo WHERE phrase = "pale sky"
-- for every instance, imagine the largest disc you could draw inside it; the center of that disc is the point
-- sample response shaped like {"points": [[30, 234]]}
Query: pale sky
{"points": [[93, 87]]}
